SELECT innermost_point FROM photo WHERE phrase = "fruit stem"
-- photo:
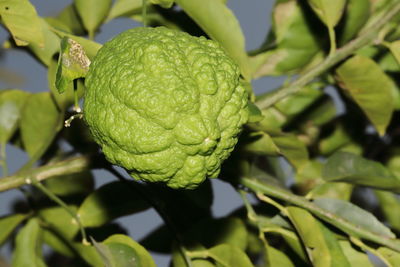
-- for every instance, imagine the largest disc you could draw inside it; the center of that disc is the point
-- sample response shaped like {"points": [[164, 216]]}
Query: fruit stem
{"points": [[144, 12]]}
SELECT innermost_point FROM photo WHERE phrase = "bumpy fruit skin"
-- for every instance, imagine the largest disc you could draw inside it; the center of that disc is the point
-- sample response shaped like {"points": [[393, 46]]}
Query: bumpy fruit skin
{"points": [[166, 106]]}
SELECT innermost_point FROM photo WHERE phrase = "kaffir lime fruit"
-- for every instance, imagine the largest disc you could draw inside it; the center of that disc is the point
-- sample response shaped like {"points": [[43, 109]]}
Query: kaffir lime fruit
{"points": [[166, 106]]}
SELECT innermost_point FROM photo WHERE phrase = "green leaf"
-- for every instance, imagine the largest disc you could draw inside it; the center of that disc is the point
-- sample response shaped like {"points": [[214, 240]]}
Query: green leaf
{"points": [[121, 251], [211, 232], [72, 64], [75, 184], [11, 104], [40, 122], [20, 17], [321, 244], [255, 114], [219, 22], [354, 169], [125, 8], [278, 258], [228, 255], [390, 207], [60, 221], [357, 13], [51, 44], [337, 139], [58, 244], [355, 256], [142, 254], [163, 3], [8, 225], [395, 49], [355, 215], [67, 20], [27, 251], [370, 88], [110, 201], [92, 13], [292, 149], [328, 11], [393, 257], [259, 143], [294, 43]]}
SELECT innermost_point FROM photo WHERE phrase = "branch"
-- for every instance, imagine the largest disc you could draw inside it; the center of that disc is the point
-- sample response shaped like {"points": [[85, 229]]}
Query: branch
{"points": [[65, 167], [258, 186], [367, 37]]}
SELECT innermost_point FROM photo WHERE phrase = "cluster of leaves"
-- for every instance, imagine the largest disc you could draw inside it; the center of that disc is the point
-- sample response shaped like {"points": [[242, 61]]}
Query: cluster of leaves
{"points": [[341, 150]]}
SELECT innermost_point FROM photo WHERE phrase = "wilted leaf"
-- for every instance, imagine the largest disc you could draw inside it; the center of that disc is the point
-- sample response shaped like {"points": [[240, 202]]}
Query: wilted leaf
{"points": [[219, 22], [40, 122], [110, 201], [72, 64], [354, 169], [370, 88], [20, 17]]}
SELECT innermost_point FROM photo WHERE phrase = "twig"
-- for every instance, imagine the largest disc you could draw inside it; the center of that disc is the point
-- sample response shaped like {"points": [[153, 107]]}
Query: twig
{"points": [[258, 186], [65, 167], [368, 36]]}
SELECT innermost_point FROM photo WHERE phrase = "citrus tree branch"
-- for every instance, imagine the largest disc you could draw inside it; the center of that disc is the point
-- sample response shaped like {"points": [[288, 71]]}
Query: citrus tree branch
{"points": [[65, 167], [260, 187], [368, 36]]}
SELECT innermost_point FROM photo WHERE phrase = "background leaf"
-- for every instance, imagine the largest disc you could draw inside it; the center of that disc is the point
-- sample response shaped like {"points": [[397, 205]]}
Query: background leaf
{"points": [[20, 17], [354, 169], [370, 88], [218, 21], [8, 225], [27, 251], [321, 244], [98, 11], [11, 104], [328, 11], [40, 122], [351, 213], [110, 201]]}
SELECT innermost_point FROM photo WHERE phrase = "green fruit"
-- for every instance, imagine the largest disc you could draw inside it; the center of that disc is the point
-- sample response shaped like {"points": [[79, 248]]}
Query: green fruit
{"points": [[166, 106]]}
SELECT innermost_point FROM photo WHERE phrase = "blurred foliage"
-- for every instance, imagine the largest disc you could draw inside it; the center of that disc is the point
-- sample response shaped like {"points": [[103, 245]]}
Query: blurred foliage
{"points": [[322, 163]]}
